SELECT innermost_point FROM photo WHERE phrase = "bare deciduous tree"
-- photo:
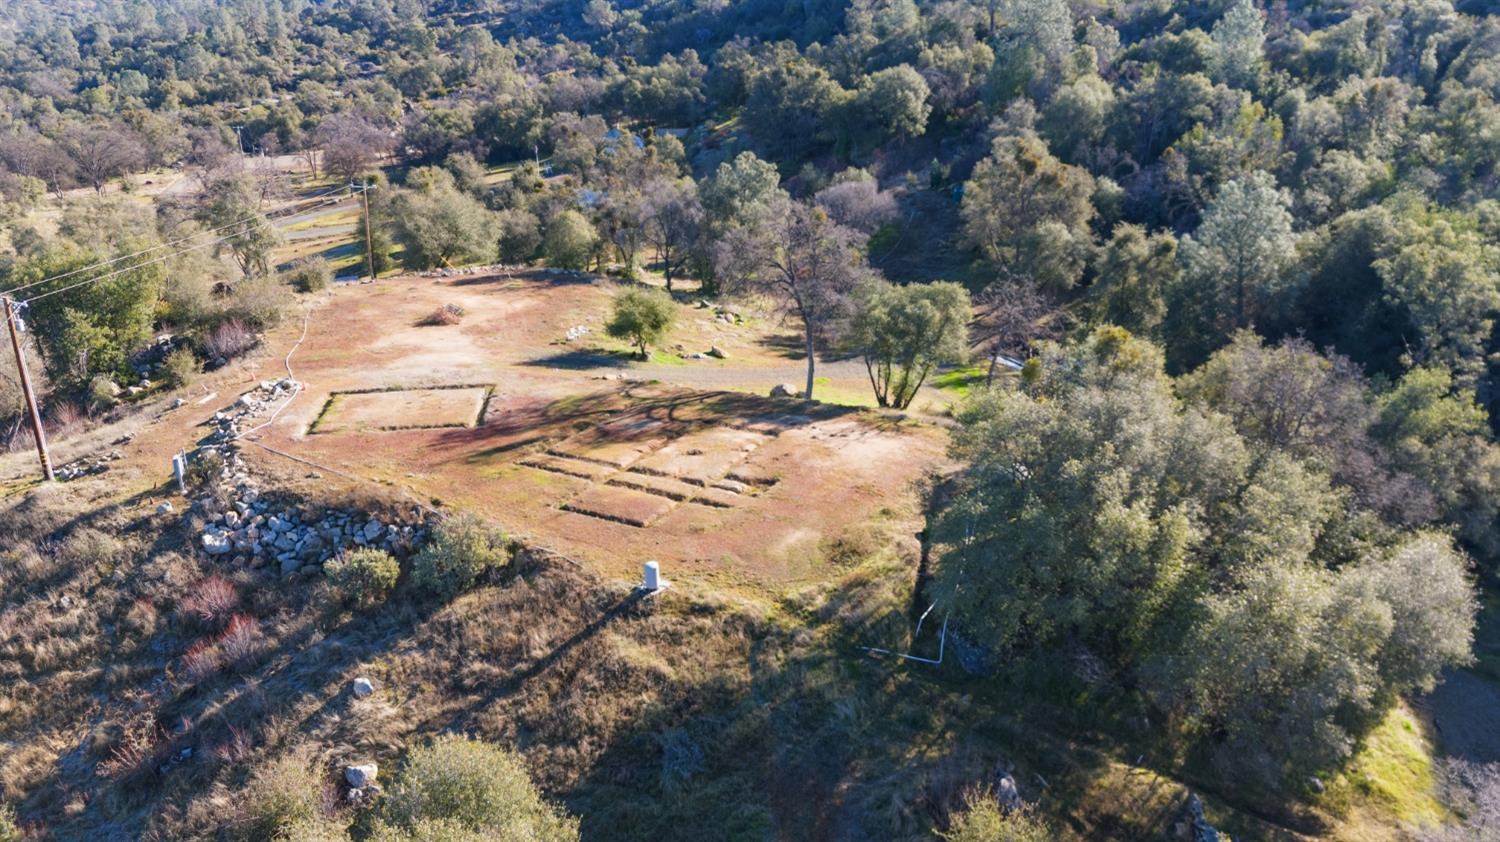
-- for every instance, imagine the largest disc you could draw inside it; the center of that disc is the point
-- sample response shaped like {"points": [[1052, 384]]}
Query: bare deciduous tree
{"points": [[1010, 315], [805, 260], [674, 218], [102, 151], [859, 204], [351, 144]]}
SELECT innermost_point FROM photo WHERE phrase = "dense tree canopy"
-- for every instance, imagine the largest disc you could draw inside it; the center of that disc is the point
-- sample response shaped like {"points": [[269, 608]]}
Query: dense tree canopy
{"points": [[1205, 546]]}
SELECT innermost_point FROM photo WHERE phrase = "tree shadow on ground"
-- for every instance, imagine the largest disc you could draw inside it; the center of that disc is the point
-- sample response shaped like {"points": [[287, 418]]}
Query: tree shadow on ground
{"points": [[536, 276], [582, 359], [628, 413]]}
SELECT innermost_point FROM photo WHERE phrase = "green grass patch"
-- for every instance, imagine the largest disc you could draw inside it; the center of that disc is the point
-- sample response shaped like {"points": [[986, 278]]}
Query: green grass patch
{"points": [[661, 357], [1391, 777], [961, 381]]}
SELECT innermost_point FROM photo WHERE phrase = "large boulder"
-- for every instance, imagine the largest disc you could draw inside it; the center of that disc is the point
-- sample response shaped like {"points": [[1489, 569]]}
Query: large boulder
{"points": [[361, 775], [216, 543], [1192, 825], [785, 390], [1006, 793]]}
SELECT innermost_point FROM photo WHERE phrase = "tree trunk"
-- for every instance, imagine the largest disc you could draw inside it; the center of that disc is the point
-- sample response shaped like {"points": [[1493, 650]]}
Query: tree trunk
{"points": [[808, 332]]}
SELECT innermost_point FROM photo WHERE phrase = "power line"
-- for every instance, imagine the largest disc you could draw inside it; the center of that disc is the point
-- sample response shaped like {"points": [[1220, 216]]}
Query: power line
{"points": [[134, 267], [101, 264], [131, 268]]}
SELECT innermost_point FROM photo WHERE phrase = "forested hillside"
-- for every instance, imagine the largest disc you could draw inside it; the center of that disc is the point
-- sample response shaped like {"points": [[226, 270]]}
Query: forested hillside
{"points": [[1211, 288]]}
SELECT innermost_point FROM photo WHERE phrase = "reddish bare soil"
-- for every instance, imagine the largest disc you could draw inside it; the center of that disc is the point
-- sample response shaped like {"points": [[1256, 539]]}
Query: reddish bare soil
{"points": [[580, 448]]}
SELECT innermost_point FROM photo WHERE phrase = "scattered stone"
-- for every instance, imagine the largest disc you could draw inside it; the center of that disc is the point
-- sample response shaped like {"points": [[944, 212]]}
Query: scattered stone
{"points": [[362, 687], [785, 390], [361, 775], [717, 353], [1315, 783], [165, 508]]}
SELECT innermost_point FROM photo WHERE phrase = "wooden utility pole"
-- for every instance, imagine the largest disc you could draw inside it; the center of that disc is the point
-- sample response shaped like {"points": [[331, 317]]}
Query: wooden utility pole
{"points": [[31, 407], [364, 190]]}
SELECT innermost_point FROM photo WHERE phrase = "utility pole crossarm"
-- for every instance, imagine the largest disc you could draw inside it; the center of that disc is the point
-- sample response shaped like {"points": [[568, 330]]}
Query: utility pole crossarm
{"points": [[32, 410]]}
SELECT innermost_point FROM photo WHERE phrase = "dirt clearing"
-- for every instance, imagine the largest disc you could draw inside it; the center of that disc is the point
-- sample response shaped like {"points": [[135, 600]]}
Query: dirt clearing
{"points": [[570, 443], [403, 409]]}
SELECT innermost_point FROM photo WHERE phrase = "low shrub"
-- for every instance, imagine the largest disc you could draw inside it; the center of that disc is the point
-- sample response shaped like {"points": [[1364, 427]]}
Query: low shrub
{"points": [[202, 661], [9, 830], [180, 368], [63, 418], [141, 743], [280, 796], [141, 618], [229, 339], [476, 786], [318, 830], [461, 550], [310, 274], [242, 641], [982, 820], [211, 602], [103, 393], [87, 546], [204, 469], [259, 300], [363, 576]]}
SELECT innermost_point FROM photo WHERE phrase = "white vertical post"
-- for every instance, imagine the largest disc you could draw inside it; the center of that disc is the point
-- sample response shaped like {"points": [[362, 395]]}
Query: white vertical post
{"points": [[179, 470], [652, 580]]}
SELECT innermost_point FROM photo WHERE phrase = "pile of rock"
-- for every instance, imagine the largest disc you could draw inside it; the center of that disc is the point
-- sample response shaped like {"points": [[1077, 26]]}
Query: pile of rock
{"points": [[256, 531], [466, 270], [242, 525], [727, 316], [87, 466], [230, 423], [148, 360]]}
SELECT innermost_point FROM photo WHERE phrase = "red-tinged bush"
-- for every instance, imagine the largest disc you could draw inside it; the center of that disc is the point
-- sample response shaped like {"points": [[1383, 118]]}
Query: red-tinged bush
{"points": [[202, 661], [229, 340], [242, 641], [211, 601]]}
